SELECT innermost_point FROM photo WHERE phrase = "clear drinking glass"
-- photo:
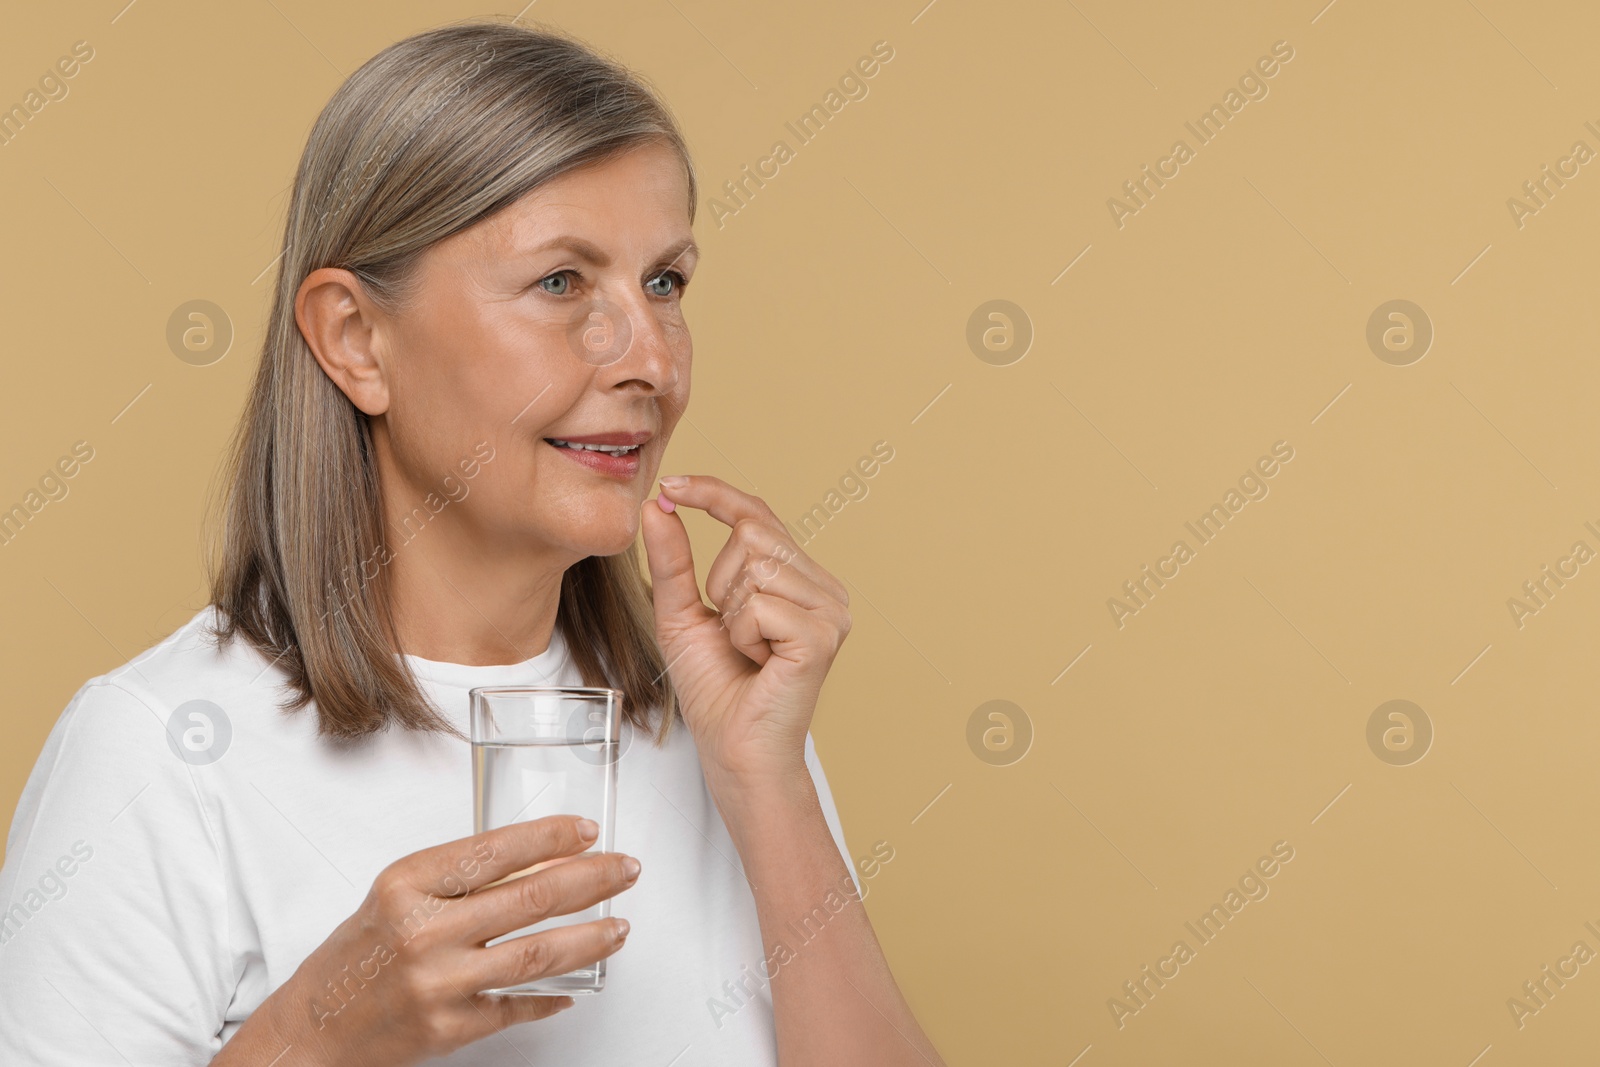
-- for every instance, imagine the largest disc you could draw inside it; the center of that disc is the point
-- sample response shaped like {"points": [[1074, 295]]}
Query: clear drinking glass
{"points": [[547, 750]]}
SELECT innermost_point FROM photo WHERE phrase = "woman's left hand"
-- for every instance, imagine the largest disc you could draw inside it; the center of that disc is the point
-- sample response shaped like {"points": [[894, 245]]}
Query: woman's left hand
{"points": [[747, 672]]}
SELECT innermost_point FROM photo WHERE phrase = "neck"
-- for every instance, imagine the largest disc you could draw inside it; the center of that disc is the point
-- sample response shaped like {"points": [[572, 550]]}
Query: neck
{"points": [[457, 609], [457, 599]]}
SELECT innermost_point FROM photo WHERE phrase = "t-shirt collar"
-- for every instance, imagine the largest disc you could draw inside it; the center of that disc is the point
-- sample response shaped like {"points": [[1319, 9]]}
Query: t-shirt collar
{"points": [[542, 669]]}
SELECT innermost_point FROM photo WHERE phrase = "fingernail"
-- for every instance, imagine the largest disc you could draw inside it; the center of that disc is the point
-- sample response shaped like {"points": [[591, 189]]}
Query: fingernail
{"points": [[674, 481], [630, 867], [588, 829], [564, 1003], [622, 928], [665, 504]]}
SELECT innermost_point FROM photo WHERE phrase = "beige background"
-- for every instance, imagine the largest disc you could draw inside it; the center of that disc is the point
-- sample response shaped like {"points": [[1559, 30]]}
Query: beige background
{"points": [[831, 312]]}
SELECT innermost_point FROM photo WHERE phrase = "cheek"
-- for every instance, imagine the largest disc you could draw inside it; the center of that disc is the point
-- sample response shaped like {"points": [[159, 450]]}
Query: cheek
{"points": [[416, 425], [682, 346], [676, 332], [519, 380]]}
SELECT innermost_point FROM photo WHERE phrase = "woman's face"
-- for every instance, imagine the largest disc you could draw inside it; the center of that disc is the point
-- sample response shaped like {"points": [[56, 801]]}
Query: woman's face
{"points": [[558, 318]]}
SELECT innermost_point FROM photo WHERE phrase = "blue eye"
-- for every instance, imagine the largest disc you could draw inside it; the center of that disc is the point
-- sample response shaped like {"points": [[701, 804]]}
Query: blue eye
{"points": [[560, 275], [677, 280]]}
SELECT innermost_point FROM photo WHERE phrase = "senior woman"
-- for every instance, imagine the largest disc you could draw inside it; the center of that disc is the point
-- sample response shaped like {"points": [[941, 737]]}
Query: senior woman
{"points": [[475, 359]]}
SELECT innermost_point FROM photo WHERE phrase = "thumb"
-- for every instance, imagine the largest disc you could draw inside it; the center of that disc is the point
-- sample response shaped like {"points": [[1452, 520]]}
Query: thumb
{"points": [[673, 588]]}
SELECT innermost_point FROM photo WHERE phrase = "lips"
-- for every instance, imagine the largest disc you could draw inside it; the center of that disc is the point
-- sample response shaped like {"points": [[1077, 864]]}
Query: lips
{"points": [[620, 438], [615, 454]]}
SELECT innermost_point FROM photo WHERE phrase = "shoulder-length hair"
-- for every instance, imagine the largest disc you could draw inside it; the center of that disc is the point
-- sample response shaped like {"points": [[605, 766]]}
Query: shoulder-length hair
{"points": [[431, 135]]}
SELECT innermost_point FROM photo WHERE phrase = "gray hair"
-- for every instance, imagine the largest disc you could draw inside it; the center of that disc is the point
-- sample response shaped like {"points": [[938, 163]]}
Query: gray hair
{"points": [[431, 135]]}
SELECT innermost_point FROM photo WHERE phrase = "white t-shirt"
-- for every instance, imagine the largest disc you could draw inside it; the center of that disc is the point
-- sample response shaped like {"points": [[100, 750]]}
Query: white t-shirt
{"points": [[152, 903]]}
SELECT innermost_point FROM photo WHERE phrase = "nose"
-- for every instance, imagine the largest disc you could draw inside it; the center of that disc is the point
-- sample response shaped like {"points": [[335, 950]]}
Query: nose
{"points": [[627, 342]]}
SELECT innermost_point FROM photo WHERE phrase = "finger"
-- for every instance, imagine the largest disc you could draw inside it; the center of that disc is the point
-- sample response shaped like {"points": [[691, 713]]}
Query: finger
{"points": [[672, 583], [555, 951], [744, 633], [785, 583], [574, 884], [770, 625], [754, 560], [455, 868], [715, 497], [504, 1011], [745, 512], [528, 871]]}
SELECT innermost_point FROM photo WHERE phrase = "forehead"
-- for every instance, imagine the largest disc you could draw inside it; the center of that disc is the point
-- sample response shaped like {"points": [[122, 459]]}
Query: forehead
{"points": [[636, 198]]}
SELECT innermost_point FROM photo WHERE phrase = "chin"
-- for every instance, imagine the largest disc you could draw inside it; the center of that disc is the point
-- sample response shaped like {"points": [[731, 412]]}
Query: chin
{"points": [[599, 538]]}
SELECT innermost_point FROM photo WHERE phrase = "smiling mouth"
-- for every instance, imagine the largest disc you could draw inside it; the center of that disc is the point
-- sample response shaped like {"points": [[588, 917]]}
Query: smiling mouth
{"points": [[610, 450], [614, 455]]}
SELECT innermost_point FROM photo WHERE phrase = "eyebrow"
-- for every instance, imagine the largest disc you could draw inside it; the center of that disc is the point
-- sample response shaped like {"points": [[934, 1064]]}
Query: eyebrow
{"points": [[596, 255]]}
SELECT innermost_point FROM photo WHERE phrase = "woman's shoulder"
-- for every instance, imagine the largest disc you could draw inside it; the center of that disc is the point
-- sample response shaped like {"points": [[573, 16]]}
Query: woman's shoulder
{"points": [[191, 659], [194, 646], [133, 734], [180, 685]]}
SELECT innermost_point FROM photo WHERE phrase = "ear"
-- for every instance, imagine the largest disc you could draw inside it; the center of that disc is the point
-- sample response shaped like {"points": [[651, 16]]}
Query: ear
{"points": [[342, 327]]}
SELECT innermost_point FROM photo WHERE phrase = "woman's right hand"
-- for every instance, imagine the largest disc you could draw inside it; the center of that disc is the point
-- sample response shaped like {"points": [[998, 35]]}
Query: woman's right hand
{"points": [[400, 980]]}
